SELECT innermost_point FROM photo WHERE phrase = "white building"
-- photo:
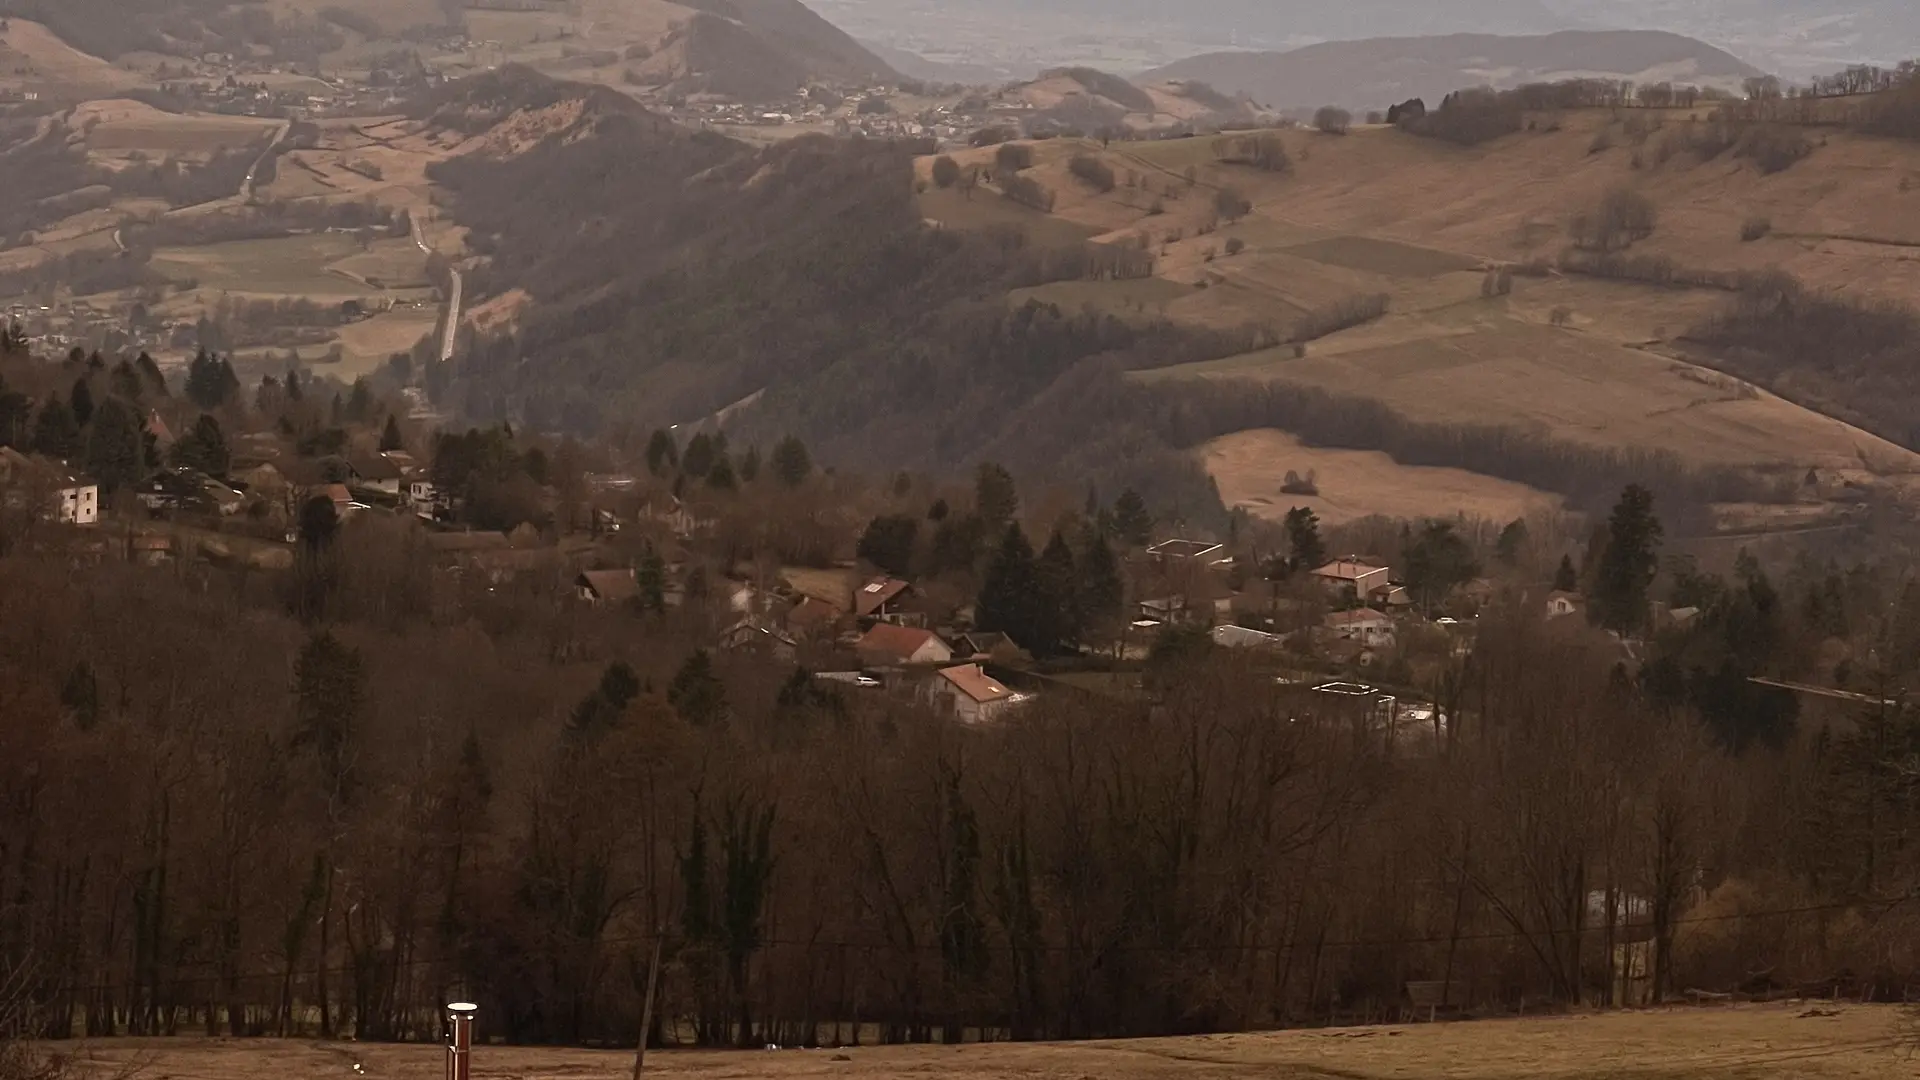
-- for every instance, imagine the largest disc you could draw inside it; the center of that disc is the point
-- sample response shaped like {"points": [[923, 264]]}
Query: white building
{"points": [[75, 500]]}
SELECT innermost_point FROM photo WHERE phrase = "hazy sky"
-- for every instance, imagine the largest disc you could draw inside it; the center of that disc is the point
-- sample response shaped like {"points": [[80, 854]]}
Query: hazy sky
{"points": [[1794, 37]]}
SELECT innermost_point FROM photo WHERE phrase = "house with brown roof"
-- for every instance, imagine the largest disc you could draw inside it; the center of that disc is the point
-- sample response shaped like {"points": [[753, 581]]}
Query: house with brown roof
{"points": [[607, 586], [881, 600], [1363, 577], [753, 636], [375, 473], [813, 618], [1561, 603], [888, 645], [970, 695]]}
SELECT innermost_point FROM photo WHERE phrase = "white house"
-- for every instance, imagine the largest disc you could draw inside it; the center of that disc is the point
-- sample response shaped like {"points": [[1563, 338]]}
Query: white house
{"points": [[1561, 603], [1363, 578], [1364, 625], [75, 499], [973, 696]]}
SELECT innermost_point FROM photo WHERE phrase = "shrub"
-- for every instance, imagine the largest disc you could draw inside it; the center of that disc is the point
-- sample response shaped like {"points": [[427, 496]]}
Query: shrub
{"points": [[1469, 117], [1338, 316], [946, 171], [1026, 191], [1773, 147], [1231, 205], [1623, 217], [1296, 484], [1754, 228], [1376, 117], [1012, 157], [1092, 171], [1264, 151], [1235, 245], [1602, 141], [1561, 316], [1331, 120], [989, 136]]}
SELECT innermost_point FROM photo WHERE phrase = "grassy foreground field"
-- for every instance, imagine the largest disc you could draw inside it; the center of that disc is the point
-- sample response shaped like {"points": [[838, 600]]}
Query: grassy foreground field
{"points": [[1789, 1040]]}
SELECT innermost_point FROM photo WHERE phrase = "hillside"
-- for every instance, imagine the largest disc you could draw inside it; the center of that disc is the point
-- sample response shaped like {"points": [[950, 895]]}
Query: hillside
{"points": [[1377, 72], [1618, 367], [1083, 99]]}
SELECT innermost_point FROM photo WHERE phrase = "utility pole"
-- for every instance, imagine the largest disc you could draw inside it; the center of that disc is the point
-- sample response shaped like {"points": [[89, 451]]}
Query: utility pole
{"points": [[646, 1011]]}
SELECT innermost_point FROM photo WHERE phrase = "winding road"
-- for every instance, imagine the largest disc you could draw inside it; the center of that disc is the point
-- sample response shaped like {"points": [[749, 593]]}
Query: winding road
{"points": [[455, 294]]}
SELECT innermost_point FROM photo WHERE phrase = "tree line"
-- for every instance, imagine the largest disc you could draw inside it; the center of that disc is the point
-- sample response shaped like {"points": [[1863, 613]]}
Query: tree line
{"points": [[474, 788]]}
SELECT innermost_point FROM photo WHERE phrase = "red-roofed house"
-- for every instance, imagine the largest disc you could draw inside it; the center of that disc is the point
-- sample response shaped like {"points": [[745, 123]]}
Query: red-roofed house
{"points": [[888, 645], [1362, 577], [880, 599], [973, 696]]}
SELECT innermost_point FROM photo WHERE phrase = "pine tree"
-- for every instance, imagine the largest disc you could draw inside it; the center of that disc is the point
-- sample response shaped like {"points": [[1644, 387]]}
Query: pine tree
{"points": [[652, 582], [150, 374], [360, 402], [1009, 594], [791, 463], [1628, 565], [211, 383], [127, 382], [1056, 611], [295, 392], [1303, 539], [81, 696], [329, 688], [1566, 579], [81, 402], [1102, 590], [1512, 540], [390, 437], [602, 709], [699, 457], [696, 692], [721, 477], [662, 454], [116, 451], [55, 432], [204, 448], [750, 465], [1438, 562], [1131, 522], [16, 417], [995, 497], [888, 543]]}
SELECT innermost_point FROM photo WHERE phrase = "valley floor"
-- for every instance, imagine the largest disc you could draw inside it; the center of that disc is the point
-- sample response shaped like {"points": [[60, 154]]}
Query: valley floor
{"points": [[1751, 1042]]}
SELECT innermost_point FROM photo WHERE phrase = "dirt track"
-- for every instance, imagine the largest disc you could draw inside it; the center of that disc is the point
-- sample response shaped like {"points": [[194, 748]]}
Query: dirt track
{"points": [[1746, 1043]]}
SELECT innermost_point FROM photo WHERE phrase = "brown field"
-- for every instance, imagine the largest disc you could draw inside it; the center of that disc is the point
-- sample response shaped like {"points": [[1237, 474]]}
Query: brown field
{"points": [[1251, 466], [367, 345], [1418, 220], [1579, 388], [34, 58], [119, 127], [1787, 1041], [287, 266]]}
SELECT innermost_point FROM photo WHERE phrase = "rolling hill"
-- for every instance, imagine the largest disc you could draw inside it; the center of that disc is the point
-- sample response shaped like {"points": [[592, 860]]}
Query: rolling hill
{"points": [[1376, 72]]}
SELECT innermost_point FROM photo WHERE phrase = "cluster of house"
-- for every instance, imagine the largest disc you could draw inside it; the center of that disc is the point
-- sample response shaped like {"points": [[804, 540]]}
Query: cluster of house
{"points": [[878, 626]]}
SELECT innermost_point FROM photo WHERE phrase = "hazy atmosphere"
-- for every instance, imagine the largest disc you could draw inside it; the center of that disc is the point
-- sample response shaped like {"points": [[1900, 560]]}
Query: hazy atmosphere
{"points": [[717, 538]]}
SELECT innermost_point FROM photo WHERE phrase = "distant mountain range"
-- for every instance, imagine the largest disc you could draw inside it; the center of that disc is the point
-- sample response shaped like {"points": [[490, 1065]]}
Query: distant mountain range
{"points": [[1377, 72], [1795, 38]]}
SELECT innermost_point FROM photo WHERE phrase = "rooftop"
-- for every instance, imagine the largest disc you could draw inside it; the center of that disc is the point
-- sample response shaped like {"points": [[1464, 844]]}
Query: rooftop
{"points": [[973, 681]]}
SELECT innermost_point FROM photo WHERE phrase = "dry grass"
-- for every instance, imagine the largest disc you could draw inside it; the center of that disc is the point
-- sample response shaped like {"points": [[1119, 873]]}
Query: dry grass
{"points": [[285, 266], [1250, 467], [117, 127], [1574, 387], [34, 58], [1772, 1042]]}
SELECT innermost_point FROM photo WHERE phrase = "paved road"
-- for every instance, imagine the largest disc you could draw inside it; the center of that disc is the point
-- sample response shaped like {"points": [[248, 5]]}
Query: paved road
{"points": [[279, 135], [455, 295]]}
